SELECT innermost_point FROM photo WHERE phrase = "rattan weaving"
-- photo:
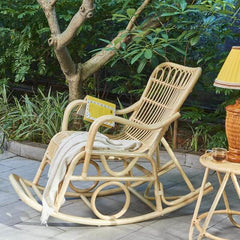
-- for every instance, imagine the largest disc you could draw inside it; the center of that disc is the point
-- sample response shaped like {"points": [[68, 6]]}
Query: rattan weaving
{"points": [[168, 87]]}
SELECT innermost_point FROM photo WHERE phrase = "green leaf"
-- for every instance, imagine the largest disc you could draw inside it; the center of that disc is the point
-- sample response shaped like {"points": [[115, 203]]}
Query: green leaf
{"points": [[104, 40], [131, 53], [194, 40], [142, 65], [183, 4], [189, 33], [125, 4], [131, 12], [164, 36], [123, 45], [160, 52], [136, 57], [199, 7], [43, 30], [119, 17], [155, 60], [169, 14], [148, 53], [178, 49]]}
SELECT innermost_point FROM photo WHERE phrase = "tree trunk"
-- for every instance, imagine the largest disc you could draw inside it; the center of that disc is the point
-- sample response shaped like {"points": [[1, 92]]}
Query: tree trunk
{"points": [[77, 73], [73, 87]]}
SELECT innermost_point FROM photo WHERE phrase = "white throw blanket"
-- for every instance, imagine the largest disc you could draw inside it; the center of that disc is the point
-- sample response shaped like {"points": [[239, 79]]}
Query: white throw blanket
{"points": [[67, 150]]}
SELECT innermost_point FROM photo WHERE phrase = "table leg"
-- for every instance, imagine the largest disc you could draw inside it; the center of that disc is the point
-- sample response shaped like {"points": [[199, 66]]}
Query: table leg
{"points": [[236, 185], [226, 202], [214, 205], [195, 214]]}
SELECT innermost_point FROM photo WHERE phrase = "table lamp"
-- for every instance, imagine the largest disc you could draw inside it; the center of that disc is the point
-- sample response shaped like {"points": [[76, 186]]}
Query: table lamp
{"points": [[229, 77]]}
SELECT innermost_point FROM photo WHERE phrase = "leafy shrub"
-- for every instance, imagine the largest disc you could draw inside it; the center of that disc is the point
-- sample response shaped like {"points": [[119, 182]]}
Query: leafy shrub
{"points": [[34, 119], [207, 128]]}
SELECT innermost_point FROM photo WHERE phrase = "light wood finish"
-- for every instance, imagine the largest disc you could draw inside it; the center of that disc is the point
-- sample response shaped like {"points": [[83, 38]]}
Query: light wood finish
{"points": [[168, 87], [175, 130], [229, 170], [233, 131]]}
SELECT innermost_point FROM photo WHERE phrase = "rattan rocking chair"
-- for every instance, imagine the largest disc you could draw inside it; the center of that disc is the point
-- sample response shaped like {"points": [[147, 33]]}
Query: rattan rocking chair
{"points": [[168, 87]]}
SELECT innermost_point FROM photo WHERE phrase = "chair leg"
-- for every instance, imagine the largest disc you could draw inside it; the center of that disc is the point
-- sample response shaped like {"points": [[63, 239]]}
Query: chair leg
{"points": [[65, 183], [157, 194], [40, 169], [158, 158], [173, 157], [156, 186]]}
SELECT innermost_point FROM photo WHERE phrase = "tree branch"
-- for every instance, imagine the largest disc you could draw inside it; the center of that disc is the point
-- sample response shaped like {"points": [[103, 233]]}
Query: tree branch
{"points": [[53, 3], [50, 14], [85, 11], [134, 18], [67, 65], [97, 61]]}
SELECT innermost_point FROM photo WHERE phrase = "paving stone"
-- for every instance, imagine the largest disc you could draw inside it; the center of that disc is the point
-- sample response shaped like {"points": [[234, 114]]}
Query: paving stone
{"points": [[33, 227], [18, 162], [225, 229], [177, 227], [18, 221], [142, 236], [4, 168], [93, 233], [6, 155], [14, 233]]}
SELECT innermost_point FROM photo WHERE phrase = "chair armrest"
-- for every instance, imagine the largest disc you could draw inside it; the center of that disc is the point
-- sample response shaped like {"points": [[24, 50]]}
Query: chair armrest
{"points": [[131, 108], [150, 127], [68, 110]]}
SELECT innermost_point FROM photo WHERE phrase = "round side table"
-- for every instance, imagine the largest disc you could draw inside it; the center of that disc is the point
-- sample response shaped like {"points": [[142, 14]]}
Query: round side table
{"points": [[229, 170]]}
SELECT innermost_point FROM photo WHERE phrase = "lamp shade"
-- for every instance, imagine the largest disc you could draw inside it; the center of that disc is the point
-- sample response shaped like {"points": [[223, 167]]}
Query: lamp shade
{"points": [[229, 75]]}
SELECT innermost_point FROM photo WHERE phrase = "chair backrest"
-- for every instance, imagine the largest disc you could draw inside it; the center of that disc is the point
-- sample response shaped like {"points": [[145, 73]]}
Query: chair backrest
{"points": [[168, 87]]}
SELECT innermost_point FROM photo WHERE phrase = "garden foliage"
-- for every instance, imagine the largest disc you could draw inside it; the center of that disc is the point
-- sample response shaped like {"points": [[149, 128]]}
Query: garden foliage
{"points": [[188, 32], [37, 118]]}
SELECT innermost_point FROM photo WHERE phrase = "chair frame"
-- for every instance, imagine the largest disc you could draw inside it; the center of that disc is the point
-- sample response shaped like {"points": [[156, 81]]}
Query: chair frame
{"points": [[150, 132]]}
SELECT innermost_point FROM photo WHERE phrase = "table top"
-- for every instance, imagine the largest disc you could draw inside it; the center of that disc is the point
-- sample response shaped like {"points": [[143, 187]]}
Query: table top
{"points": [[221, 166]]}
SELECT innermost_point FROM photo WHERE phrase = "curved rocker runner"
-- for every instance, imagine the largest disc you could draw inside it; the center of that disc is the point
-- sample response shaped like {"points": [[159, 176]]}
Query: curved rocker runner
{"points": [[167, 89]]}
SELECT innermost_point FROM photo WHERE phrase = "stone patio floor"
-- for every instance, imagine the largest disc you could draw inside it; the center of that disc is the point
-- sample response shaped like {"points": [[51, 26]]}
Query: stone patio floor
{"points": [[20, 222]]}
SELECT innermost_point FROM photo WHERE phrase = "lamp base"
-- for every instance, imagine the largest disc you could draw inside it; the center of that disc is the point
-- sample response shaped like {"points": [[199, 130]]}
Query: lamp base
{"points": [[233, 155], [233, 131]]}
